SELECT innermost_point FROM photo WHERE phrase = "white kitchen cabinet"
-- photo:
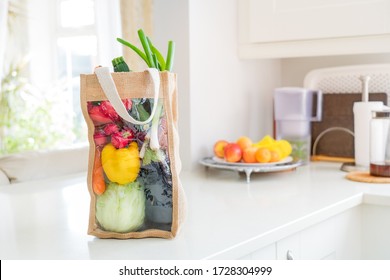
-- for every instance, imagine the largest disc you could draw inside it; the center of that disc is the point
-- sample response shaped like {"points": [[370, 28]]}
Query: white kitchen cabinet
{"points": [[338, 237], [348, 240], [285, 28], [314, 243], [266, 253], [376, 232], [361, 232], [289, 248]]}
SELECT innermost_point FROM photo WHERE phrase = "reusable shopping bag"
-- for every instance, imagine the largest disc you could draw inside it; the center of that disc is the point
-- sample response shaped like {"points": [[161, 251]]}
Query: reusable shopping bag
{"points": [[134, 164]]}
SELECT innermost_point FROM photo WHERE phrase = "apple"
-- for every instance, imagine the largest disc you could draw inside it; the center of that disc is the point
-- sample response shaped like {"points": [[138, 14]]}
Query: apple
{"points": [[233, 152], [219, 147]]}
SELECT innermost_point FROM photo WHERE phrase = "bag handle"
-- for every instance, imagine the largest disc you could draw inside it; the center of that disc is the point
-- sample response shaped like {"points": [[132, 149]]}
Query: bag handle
{"points": [[109, 89]]}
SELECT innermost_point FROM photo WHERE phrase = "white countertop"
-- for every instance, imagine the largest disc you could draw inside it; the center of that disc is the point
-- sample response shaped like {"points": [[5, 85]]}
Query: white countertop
{"points": [[226, 217]]}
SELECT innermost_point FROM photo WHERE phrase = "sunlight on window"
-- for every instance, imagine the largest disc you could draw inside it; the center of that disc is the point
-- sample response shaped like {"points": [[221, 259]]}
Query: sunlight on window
{"points": [[82, 45], [76, 13], [60, 41], [76, 55]]}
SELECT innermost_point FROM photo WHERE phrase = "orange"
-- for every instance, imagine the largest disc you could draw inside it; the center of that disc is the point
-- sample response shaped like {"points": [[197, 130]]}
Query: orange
{"points": [[244, 142], [249, 155], [276, 155], [263, 155]]}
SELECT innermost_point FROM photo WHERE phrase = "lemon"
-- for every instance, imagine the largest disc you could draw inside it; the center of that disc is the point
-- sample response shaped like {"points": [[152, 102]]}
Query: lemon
{"points": [[266, 141], [285, 147], [281, 147]]}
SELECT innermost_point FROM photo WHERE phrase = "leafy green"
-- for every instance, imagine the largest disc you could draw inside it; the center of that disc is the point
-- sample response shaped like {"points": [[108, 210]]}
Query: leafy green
{"points": [[134, 48], [121, 208], [152, 156], [156, 52], [170, 56], [151, 55], [145, 45]]}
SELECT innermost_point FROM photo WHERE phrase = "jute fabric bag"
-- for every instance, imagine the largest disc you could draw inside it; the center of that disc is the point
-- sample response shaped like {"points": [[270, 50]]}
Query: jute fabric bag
{"points": [[164, 199]]}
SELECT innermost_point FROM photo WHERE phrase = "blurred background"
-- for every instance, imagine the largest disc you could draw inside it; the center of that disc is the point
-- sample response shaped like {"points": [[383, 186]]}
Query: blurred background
{"points": [[46, 44]]}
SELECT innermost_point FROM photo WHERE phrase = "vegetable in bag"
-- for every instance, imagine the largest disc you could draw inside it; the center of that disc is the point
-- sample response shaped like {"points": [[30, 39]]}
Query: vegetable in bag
{"points": [[121, 208], [121, 165]]}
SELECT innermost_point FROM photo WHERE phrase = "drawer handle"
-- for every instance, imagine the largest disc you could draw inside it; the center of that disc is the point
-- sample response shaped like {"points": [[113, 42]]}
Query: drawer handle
{"points": [[290, 255]]}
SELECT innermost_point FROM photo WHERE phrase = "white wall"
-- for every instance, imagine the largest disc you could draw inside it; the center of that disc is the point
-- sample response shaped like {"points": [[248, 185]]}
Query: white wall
{"points": [[229, 97], [171, 22], [220, 96]]}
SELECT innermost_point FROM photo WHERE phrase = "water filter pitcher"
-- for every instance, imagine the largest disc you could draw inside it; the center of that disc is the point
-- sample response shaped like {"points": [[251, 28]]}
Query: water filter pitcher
{"points": [[293, 112]]}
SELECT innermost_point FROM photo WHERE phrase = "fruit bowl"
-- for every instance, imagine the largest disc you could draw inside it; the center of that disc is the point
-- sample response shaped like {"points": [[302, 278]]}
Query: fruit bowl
{"points": [[244, 155], [255, 164], [248, 169]]}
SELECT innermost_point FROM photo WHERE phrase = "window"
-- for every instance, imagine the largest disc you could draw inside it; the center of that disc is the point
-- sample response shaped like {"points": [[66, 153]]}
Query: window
{"points": [[59, 39], [76, 53]]}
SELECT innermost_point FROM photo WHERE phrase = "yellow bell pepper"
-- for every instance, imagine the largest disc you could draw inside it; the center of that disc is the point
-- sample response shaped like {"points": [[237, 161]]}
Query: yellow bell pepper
{"points": [[121, 165]]}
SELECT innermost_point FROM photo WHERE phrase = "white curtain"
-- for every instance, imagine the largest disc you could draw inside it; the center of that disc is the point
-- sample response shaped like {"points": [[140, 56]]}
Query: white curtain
{"points": [[3, 34], [108, 27], [135, 14], [122, 18]]}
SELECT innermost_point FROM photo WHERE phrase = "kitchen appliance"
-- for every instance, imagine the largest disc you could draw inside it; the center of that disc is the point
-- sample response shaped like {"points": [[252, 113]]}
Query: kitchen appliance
{"points": [[362, 116], [333, 137], [380, 143], [293, 112]]}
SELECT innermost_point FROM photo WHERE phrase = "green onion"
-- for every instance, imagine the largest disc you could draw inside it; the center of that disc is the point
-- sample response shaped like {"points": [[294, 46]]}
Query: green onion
{"points": [[152, 56], [158, 55], [170, 56], [155, 61], [134, 48], [146, 47]]}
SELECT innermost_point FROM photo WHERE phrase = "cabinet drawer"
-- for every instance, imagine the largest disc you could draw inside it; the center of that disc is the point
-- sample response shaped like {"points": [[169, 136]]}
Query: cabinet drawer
{"points": [[289, 247], [314, 243], [265, 253], [319, 241]]}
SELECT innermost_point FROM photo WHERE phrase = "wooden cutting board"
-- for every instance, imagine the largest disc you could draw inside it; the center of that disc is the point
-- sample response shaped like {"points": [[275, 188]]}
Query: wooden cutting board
{"points": [[338, 112], [365, 177]]}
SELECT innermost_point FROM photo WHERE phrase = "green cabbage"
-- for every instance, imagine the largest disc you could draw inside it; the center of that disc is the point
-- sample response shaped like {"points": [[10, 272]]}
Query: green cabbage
{"points": [[121, 208]]}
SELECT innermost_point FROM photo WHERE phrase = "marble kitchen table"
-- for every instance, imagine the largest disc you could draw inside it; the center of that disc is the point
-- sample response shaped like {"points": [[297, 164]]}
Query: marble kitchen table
{"points": [[226, 217]]}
